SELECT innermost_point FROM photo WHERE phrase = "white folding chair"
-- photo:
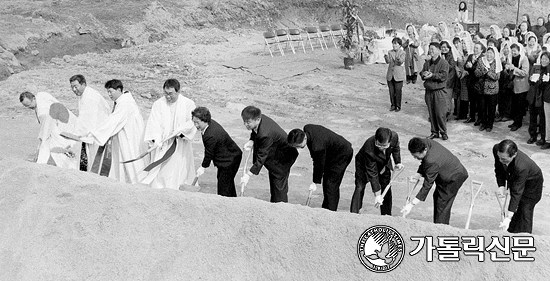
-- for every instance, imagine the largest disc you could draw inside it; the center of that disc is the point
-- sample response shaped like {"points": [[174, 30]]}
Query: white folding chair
{"points": [[283, 37], [270, 38], [296, 36], [324, 30], [313, 33]]}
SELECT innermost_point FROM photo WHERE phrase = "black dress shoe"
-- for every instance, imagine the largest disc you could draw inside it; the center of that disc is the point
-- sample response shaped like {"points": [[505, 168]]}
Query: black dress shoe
{"points": [[397, 109], [444, 137], [540, 142], [531, 140], [477, 123], [433, 136], [392, 108], [545, 146], [482, 128], [469, 120], [514, 128], [498, 119], [511, 125], [489, 129]]}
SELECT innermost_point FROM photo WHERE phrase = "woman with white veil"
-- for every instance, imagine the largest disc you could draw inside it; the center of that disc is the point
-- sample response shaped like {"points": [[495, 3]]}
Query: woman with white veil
{"points": [[411, 44], [488, 71], [506, 84]]}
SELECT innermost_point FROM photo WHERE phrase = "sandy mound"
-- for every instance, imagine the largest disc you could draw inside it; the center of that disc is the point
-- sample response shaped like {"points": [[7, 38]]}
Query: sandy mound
{"points": [[65, 225]]}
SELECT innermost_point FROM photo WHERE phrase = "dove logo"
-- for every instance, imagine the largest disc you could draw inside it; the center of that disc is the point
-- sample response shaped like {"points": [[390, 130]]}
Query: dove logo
{"points": [[381, 248]]}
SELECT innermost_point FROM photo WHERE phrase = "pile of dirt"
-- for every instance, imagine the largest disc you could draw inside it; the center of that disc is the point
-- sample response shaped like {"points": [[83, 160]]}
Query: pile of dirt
{"points": [[67, 225]]}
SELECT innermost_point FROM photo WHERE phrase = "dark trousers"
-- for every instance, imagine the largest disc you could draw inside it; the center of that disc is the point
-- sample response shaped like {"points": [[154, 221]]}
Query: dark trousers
{"points": [[488, 106], [83, 158], [436, 100], [518, 108], [473, 96], [537, 121], [444, 196], [279, 170], [522, 220], [332, 178], [361, 181], [396, 92], [462, 110], [505, 103], [226, 178]]}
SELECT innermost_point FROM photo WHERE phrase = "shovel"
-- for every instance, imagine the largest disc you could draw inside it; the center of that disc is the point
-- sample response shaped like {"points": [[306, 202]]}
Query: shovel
{"points": [[473, 195], [377, 205], [244, 172], [193, 187]]}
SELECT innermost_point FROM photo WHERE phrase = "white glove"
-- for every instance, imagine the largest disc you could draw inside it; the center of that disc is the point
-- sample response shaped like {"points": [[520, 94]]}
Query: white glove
{"points": [[378, 199], [313, 187], [545, 78], [407, 209], [245, 178], [248, 145], [200, 171], [399, 167], [535, 77], [416, 177], [505, 223], [501, 190]]}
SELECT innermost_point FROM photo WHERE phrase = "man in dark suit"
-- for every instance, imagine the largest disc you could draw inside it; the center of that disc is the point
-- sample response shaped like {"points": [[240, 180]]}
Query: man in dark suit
{"points": [[438, 165], [331, 155], [271, 150], [219, 148], [524, 180], [373, 164]]}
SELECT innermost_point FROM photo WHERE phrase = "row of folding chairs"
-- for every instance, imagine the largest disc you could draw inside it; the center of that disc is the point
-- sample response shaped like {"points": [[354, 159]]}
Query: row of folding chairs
{"points": [[286, 38]]}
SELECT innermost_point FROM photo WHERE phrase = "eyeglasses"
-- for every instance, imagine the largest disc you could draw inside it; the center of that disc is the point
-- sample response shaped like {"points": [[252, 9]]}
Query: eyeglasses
{"points": [[383, 146]]}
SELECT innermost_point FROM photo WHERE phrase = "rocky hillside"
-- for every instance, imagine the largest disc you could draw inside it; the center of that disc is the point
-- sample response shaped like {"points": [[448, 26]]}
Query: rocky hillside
{"points": [[35, 31]]}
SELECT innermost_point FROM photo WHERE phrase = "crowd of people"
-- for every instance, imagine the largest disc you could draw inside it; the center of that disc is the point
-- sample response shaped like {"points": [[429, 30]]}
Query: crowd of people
{"points": [[476, 78], [159, 152]]}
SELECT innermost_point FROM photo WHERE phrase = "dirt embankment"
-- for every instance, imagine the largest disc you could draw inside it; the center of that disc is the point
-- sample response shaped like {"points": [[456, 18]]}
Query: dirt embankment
{"points": [[67, 225], [32, 32]]}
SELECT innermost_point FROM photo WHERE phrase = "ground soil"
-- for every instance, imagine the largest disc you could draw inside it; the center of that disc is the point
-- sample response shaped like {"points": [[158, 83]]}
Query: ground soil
{"points": [[226, 69]]}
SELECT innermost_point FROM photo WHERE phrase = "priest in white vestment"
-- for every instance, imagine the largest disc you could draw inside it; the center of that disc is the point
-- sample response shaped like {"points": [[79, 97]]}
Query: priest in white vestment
{"points": [[93, 110], [125, 127], [170, 121], [54, 118]]}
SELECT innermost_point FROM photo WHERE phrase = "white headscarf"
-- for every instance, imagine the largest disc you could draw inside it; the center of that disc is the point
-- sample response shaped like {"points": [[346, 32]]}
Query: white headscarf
{"points": [[537, 47], [460, 26], [467, 38], [445, 33], [545, 38], [498, 64], [415, 33], [498, 33], [505, 44], [453, 50]]}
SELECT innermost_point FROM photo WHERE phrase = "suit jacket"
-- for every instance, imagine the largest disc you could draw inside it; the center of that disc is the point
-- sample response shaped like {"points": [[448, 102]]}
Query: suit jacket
{"points": [[270, 146], [219, 147], [326, 148], [519, 174], [440, 70], [439, 166], [396, 67], [375, 160]]}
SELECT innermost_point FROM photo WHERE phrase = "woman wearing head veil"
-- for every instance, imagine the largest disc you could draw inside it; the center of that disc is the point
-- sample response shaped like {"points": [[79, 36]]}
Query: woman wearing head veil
{"points": [[474, 86], [443, 31], [488, 70], [495, 34], [505, 85], [519, 66], [534, 101], [521, 34], [539, 28], [533, 49], [457, 29], [544, 88], [411, 44], [450, 54], [507, 36]]}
